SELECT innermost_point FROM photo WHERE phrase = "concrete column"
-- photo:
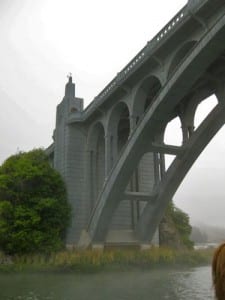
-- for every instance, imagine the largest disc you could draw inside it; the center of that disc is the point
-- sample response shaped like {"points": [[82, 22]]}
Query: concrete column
{"points": [[191, 129], [162, 165], [156, 168], [88, 176], [114, 148], [133, 123], [111, 152], [135, 205], [187, 123], [93, 171], [185, 133], [108, 162]]}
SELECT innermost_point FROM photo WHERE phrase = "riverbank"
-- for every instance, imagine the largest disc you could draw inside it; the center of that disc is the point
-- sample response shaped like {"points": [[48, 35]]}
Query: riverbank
{"points": [[94, 261]]}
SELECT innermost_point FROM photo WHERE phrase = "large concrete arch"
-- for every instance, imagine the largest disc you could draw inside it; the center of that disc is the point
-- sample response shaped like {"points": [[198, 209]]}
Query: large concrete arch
{"points": [[208, 49]]}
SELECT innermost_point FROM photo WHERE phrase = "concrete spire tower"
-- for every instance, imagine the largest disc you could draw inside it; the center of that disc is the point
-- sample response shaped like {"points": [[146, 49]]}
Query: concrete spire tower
{"points": [[70, 87], [69, 145]]}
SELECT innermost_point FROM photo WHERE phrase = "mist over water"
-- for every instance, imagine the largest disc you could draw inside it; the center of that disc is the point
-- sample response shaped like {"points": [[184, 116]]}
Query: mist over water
{"points": [[183, 284]]}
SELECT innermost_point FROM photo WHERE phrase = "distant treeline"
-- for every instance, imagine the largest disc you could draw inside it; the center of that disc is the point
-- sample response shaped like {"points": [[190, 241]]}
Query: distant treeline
{"points": [[207, 234], [198, 236]]}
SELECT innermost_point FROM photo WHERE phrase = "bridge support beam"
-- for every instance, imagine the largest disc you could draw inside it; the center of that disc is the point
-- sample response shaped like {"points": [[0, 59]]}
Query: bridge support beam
{"points": [[165, 149], [138, 196]]}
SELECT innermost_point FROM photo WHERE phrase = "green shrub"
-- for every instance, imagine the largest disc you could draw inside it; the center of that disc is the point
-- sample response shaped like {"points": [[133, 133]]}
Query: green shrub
{"points": [[34, 212]]}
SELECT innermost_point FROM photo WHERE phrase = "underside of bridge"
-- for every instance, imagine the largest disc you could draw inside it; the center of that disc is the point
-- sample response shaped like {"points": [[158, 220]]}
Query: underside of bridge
{"points": [[112, 154]]}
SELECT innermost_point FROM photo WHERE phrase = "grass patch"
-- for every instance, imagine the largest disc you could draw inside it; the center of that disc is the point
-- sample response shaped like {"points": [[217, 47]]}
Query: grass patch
{"points": [[94, 261]]}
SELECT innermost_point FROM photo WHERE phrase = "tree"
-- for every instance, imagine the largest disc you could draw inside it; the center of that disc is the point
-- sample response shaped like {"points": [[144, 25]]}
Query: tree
{"points": [[181, 222], [34, 212]]}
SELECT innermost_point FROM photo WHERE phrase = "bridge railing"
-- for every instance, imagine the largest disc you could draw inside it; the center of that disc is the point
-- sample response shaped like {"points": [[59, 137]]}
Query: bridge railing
{"points": [[195, 4], [138, 59]]}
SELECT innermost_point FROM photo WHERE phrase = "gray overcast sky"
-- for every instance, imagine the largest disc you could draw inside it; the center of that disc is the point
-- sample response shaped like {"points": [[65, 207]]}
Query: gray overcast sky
{"points": [[43, 40]]}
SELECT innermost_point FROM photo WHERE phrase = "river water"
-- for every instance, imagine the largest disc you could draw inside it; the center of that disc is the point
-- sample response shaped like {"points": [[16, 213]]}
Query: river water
{"points": [[185, 284]]}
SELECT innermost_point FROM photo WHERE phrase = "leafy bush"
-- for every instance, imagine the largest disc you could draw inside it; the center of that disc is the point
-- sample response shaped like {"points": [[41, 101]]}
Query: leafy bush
{"points": [[34, 213], [181, 222]]}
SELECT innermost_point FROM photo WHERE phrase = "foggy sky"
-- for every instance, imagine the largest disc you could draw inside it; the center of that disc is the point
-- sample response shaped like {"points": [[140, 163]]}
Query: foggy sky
{"points": [[43, 40]]}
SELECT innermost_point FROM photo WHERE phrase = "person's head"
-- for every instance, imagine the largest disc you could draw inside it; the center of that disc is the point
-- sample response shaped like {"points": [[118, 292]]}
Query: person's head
{"points": [[218, 272]]}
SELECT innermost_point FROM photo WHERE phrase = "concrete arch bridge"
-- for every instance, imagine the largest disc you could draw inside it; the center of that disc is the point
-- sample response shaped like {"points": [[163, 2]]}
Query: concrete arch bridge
{"points": [[112, 154]]}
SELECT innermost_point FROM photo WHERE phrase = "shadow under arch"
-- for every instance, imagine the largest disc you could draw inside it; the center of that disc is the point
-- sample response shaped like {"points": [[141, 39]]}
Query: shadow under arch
{"points": [[145, 94], [118, 130], [96, 150], [180, 55]]}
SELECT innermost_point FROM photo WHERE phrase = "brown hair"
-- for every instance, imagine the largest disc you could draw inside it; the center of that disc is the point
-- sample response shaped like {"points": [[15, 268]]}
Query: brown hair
{"points": [[218, 272]]}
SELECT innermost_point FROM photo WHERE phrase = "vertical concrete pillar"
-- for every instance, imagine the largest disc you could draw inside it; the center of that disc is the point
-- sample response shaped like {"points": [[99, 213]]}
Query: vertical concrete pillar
{"points": [[134, 182], [191, 129], [90, 174], [185, 133], [114, 148], [94, 176], [111, 152], [162, 165], [133, 123], [156, 168], [108, 162], [187, 122]]}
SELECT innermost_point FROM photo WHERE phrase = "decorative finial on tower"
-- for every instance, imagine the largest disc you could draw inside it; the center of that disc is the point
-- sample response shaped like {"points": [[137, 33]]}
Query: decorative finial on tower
{"points": [[69, 76], [70, 87]]}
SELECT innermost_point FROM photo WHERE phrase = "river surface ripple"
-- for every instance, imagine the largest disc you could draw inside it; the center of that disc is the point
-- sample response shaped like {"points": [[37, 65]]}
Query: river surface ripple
{"points": [[185, 284]]}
